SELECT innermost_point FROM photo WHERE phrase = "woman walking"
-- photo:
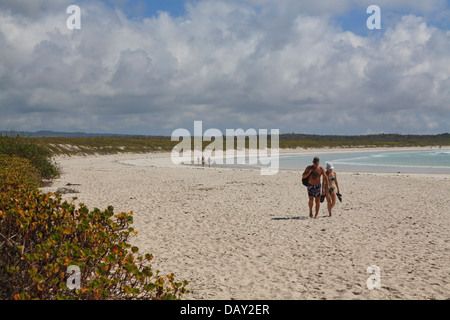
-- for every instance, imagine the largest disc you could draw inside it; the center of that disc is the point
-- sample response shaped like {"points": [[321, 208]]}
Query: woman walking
{"points": [[332, 187]]}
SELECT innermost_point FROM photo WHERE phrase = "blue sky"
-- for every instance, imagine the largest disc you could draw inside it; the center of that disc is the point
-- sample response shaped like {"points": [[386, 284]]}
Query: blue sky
{"points": [[294, 65], [140, 8]]}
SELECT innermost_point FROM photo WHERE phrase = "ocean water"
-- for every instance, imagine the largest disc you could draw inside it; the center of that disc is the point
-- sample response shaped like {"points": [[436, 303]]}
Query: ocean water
{"points": [[429, 161]]}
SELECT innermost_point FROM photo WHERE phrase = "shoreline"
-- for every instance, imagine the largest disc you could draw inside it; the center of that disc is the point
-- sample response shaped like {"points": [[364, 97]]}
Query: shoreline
{"points": [[362, 149], [163, 159]]}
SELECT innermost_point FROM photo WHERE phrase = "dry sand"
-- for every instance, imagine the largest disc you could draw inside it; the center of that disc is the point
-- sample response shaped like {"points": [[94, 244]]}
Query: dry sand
{"points": [[235, 234]]}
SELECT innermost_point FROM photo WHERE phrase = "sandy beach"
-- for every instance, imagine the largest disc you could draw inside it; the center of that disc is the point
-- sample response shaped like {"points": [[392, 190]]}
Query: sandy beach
{"points": [[236, 234]]}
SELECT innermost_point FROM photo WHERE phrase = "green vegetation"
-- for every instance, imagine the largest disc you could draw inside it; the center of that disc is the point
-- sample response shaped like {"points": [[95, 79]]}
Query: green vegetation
{"points": [[112, 145], [41, 236], [294, 140], [103, 145], [39, 156]]}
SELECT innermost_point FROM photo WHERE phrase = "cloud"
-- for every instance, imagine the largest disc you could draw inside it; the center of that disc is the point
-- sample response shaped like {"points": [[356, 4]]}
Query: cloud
{"points": [[33, 9], [229, 63], [326, 7]]}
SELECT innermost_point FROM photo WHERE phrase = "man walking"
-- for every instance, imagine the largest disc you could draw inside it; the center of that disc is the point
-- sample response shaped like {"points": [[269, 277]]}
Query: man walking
{"points": [[315, 188]]}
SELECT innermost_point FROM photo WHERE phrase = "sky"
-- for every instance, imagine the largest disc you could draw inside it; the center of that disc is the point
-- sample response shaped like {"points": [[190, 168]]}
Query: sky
{"points": [[150, 67]]}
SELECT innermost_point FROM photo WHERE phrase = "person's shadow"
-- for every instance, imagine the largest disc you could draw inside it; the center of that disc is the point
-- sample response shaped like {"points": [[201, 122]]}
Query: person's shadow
{"points": [[291, 218]]}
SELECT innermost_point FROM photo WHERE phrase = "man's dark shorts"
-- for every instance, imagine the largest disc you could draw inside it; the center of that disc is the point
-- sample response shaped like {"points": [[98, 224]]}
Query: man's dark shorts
{"points": [[314, 191]]}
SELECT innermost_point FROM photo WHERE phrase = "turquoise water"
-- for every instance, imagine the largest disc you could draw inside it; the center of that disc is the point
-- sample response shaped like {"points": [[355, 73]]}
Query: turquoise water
{"points": [[430, 161]]}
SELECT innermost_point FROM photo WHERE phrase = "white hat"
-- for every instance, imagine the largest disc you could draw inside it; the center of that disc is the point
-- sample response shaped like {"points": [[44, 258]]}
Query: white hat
{"points": [[329, 165]]}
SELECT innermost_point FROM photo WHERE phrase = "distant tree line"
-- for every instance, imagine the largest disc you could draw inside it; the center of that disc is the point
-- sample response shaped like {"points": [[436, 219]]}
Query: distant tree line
{"points": [[444, 138]]}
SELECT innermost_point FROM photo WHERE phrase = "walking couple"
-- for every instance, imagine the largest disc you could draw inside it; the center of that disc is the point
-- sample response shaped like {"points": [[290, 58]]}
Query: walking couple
{"points": [[317, 190]]}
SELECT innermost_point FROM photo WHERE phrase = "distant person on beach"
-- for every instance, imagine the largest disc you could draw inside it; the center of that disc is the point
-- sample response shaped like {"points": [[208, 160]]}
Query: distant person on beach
{"points": [[315, 187], [203, 161], [332, 187]]}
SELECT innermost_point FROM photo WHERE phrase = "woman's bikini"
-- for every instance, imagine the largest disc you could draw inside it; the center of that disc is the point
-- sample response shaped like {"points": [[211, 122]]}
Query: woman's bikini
{"points": [[331, 182]]}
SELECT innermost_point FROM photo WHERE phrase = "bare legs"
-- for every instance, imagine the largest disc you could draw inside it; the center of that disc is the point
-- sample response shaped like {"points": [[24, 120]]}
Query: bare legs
{"points": [[311, 204], [331, 201]]}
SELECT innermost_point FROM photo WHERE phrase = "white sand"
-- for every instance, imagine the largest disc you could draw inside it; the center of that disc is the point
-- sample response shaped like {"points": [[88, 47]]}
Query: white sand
{"points": [[235, 234]]}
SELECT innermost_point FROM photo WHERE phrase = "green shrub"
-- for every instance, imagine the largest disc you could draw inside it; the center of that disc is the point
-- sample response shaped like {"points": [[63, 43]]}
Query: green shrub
{"points": [[17, 173], [39, 157], [41, 236]]}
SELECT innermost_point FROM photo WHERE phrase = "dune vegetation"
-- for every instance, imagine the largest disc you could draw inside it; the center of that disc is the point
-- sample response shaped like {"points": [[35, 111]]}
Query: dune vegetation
{"points": [[143, 144], [44, 239]]}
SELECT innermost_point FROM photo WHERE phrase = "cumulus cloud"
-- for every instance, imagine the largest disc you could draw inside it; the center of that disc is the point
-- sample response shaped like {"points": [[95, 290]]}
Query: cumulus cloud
{"points": [[33, 9], [326, 7], [229, 63]]}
